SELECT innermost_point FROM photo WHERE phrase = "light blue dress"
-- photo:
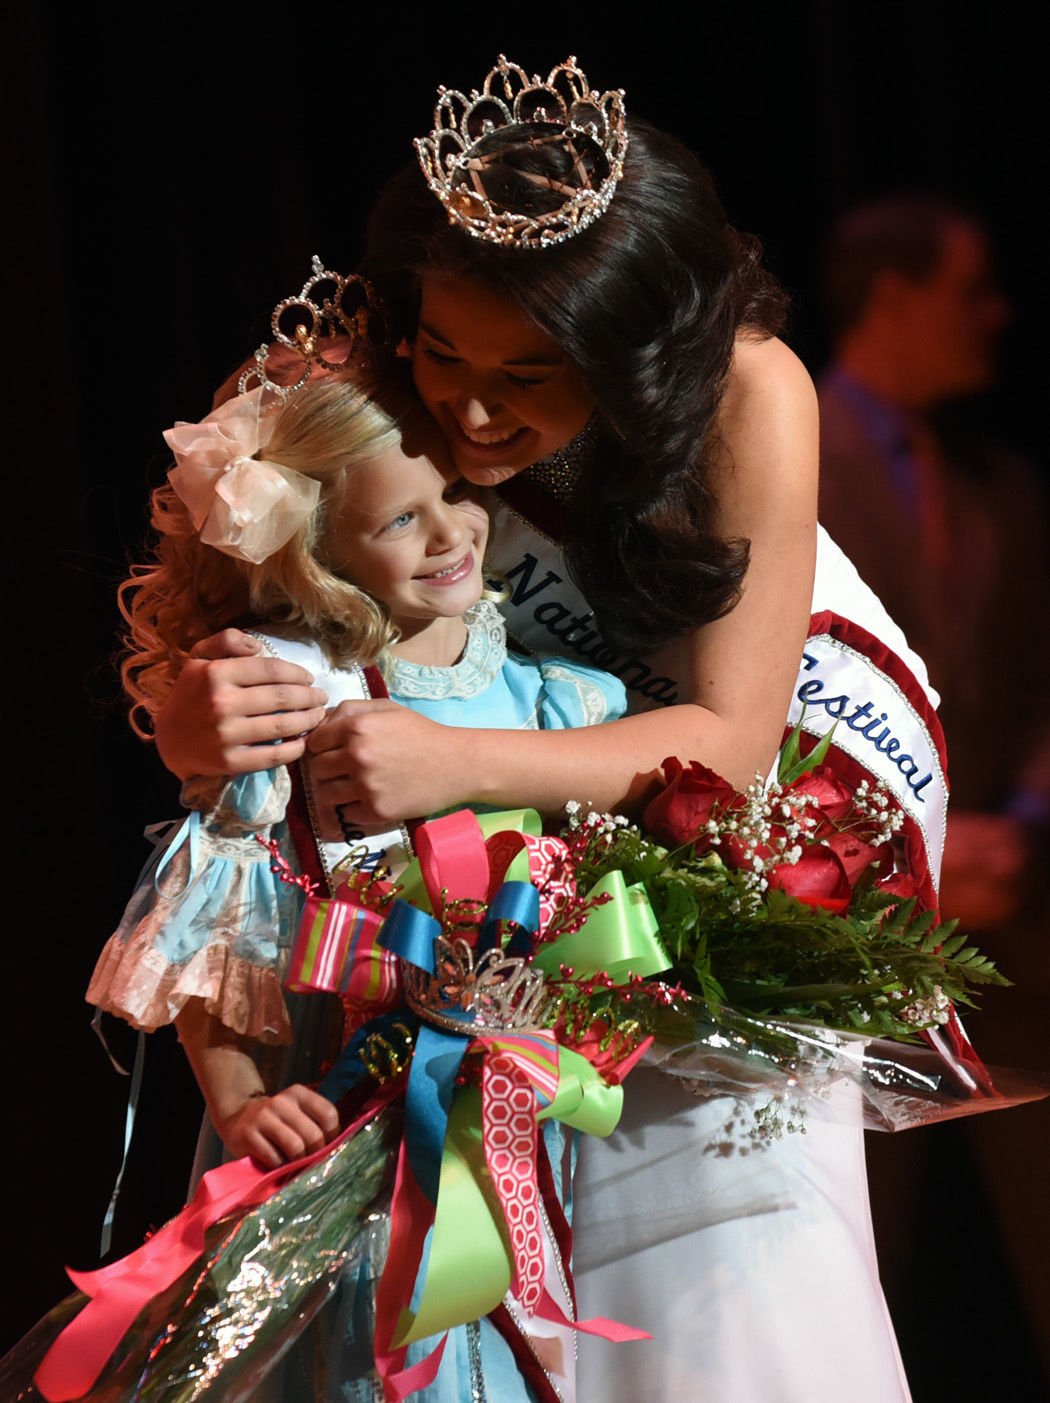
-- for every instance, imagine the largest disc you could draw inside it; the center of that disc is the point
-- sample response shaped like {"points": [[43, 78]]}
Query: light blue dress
{"points": [[502, 691], [210, 920]]}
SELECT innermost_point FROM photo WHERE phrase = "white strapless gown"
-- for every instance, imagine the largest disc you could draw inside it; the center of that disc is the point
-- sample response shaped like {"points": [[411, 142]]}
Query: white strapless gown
{"points": [[751, 1262]]}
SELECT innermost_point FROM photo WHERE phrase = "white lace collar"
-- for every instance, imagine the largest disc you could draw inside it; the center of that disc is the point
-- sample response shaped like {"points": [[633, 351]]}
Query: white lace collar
{"points": [[482, 659]]}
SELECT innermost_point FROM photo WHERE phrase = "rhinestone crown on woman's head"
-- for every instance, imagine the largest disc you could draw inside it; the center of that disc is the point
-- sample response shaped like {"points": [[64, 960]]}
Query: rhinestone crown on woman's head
{"points": [[471, 136]]}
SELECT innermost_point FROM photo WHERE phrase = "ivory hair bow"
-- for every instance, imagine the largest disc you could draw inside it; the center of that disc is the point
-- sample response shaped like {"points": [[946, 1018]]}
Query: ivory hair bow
{"points": [[242, 505]]}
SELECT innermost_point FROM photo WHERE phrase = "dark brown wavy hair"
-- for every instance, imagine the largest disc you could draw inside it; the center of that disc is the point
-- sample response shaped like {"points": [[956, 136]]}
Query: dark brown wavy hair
{"points": [[647, 303]]}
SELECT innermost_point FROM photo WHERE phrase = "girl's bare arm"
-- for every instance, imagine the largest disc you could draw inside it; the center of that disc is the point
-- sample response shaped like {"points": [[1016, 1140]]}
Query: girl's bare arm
{"points": [[272, 1129]]}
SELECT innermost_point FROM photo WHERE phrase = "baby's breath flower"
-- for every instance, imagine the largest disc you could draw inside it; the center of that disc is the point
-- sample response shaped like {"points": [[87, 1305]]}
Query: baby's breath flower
{"points": [[936, 1008]]}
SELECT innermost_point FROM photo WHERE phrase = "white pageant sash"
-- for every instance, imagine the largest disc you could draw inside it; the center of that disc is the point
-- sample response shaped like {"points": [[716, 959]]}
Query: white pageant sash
{"points": [[860, 674], [878, 724], [548, 614]]}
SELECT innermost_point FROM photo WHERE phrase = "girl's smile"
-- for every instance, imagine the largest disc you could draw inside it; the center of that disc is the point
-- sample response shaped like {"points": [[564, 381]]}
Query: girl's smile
{"points": [[452, 574], [410, 534]]}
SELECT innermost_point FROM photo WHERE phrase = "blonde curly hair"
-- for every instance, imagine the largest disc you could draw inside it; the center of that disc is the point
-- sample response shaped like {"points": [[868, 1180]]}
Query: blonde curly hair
{"points": [[189, 590]]}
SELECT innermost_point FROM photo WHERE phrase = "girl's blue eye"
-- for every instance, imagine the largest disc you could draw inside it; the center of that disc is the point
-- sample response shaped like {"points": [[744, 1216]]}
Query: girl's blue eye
{"points": [[399, 521]]}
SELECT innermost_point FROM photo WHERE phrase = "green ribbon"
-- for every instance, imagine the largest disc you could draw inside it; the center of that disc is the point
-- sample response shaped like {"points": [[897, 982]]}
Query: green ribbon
{"points": [[470, 1264], [619, 937], [468, 1219]]}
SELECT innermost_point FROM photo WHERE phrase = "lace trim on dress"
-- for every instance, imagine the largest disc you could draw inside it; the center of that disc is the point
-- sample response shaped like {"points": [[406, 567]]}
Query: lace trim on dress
{"points": [[594, 703], [235, 809], [477, 669], [135, 982]]}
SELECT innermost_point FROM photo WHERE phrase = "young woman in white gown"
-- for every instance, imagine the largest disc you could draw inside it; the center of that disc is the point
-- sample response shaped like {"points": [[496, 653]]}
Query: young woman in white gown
{"points": [[653, 453]]}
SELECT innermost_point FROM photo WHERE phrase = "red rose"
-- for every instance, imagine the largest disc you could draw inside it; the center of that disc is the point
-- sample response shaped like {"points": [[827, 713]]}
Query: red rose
{"points": [[681, 810], [818, 879], [834, 799], [854, 854], [902, 884]]}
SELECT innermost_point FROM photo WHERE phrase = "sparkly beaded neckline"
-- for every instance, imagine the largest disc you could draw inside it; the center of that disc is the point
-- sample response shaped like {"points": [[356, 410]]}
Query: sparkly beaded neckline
{"points": [[482, 659], [559, 474]]}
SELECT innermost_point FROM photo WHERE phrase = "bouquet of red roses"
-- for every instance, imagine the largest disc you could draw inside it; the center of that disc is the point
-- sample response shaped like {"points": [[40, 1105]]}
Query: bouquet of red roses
{"points": [[799, 943]]}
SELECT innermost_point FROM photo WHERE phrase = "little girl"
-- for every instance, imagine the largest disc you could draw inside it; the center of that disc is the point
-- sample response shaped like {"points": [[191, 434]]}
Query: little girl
{"points": [[334, 526]]}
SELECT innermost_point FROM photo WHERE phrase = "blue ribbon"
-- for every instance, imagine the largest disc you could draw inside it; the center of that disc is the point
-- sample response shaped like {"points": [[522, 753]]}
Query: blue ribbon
{"points": [[348, 1068], [190, 833], [518, 904], [410, 934], [428, 1103]]}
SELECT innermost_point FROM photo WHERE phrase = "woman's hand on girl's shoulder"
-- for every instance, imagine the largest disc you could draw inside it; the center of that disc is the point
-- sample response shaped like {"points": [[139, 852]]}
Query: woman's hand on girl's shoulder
{"points": [[233, 710], [275, 1129]]}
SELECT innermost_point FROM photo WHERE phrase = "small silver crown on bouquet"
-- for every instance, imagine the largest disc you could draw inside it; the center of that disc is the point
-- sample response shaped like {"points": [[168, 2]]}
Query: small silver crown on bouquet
{"points": [[475, 141], [504, 993], [332, 313]]}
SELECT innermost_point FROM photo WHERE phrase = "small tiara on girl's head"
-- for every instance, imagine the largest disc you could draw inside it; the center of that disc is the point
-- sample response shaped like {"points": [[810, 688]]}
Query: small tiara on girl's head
{"points": [[244, 505], [334, 324], [463, 157]]}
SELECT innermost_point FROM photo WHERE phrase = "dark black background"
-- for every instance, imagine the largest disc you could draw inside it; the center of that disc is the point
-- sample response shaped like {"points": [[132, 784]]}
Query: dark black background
{"points": [[168, 176]]}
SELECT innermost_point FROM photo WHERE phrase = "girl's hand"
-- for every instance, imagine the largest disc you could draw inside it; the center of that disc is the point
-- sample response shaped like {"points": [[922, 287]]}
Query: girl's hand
{"points": [[380, 762], [275, 1129], [233, 710]]}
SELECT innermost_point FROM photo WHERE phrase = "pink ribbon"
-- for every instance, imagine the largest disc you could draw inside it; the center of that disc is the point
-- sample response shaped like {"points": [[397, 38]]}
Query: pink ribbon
{"points": [[453, 858], [508, 1128], [121, 1290], [410, 1217], [550, 868], [242, 505]]}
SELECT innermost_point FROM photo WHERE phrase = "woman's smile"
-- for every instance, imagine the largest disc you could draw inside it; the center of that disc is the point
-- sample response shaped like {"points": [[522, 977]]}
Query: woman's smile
{"points": [[502, 390], [492, 438]]}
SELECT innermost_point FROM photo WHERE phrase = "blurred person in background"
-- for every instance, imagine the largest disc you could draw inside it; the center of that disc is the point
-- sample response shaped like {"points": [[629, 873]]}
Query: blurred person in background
{"points": [[949, 529], [949, 525]]}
